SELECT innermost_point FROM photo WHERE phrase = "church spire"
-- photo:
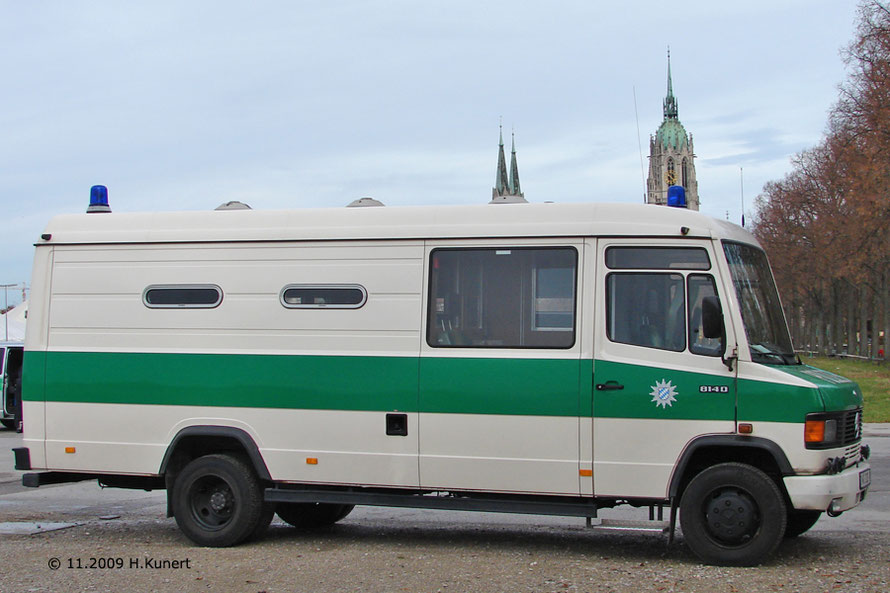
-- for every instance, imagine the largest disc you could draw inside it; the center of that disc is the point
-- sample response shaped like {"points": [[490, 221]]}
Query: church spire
{"points": [[501, 183], [670, 102], [514, 169], [506, 188], [671, 156]]}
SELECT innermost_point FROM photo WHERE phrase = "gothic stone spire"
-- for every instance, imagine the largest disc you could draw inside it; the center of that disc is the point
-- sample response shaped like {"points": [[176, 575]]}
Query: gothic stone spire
{"points": [[506, 189], [670, 102], [501, 183], [514, 170]]}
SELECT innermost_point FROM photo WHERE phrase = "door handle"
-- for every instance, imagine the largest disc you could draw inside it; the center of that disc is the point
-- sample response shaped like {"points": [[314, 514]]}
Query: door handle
{"points": [[609, 386]]}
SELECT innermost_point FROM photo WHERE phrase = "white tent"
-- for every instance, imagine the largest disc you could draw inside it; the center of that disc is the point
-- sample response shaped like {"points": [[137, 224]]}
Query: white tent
{"points": [[12, 323]]}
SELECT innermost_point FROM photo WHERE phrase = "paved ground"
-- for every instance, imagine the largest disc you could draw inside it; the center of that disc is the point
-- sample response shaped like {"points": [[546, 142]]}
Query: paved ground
{"points": [[112, 540]]}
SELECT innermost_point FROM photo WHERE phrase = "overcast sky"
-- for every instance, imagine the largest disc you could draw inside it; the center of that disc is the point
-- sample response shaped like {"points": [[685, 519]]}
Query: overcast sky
{"points": [[183, 105]]}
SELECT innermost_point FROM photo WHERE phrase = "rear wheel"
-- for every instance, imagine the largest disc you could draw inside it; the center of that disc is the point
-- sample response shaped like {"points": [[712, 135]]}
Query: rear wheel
{"points": [[732, 514], [312, 514], [218, 501], [800, 522]]}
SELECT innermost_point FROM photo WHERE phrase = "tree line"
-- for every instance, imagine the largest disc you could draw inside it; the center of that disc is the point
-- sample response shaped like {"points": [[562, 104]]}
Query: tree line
{"points": [[826, 224]]}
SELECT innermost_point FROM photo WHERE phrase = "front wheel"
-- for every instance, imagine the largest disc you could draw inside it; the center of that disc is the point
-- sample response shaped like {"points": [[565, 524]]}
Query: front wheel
{"points": [[800, 522], [218, 501], [732, 514]]}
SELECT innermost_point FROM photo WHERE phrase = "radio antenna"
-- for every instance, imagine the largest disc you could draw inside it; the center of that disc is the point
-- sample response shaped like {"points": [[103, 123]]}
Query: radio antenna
{"points": [[640, 145], [742, 183]]}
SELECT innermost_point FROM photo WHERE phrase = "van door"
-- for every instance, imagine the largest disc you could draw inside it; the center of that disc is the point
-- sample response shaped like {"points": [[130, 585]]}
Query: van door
{"points": [[11, 374], [658, 381], [500, 367], [2, 383]]}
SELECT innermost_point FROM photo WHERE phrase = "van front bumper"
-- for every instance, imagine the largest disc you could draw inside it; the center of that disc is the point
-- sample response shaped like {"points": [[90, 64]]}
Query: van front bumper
{"points": [[835, 493]]}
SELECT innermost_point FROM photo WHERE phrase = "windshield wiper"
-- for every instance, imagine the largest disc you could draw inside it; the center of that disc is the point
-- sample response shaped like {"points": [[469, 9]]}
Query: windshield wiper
{"points": [[769, 354]]}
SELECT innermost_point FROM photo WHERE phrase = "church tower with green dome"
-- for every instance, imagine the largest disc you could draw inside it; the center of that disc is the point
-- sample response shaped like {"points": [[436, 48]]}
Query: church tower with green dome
{"points": [[671, 156]]}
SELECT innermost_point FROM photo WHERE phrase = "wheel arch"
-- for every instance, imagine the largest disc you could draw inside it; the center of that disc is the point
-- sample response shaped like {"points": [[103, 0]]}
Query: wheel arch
{"points": [[705, 451], [194, 441]]}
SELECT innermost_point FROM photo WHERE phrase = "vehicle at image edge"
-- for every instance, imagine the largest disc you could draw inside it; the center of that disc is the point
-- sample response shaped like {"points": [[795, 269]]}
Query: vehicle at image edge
{"points": [[11, 354], [530, 358]]}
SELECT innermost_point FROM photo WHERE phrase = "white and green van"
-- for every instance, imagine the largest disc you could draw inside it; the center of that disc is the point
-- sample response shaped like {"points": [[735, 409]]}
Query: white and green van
{"points": [[532, 358]]}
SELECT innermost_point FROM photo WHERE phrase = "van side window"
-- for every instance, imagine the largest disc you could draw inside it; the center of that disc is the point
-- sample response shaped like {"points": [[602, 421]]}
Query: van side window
{"points": [[646, 309], [657, 258], [182, 296], [656, 309], [700, 286], [502, 298], [323, 296]]}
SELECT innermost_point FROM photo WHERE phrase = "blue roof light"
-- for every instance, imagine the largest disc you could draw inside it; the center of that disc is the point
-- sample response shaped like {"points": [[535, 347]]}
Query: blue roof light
{"points": [[98, 199], [677, 196]]}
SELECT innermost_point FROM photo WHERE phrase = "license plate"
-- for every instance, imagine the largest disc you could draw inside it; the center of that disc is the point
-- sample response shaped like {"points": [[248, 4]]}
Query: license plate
{"points": [[864, 479]]}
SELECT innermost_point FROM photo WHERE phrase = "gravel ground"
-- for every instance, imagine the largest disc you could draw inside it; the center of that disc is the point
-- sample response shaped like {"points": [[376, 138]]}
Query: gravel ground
{"points": [[371, 554], [394, 550]]}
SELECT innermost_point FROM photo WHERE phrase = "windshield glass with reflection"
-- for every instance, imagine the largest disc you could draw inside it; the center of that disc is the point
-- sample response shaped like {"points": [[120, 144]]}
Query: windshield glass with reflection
{"points": [[762, 314]]}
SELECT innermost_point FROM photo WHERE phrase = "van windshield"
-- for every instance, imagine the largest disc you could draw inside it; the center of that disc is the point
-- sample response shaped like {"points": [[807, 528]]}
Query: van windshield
{"points": [[765, 325]]}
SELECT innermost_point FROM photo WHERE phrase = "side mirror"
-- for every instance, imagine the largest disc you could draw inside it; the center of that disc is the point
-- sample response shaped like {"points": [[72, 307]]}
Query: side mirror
{"points": [[711, 317]]}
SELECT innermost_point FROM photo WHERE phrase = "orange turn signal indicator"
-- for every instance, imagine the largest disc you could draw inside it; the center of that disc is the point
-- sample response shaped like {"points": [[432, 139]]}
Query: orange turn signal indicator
{"points": [[814, 431], [70, 450], [586, 473], [311, 461]]}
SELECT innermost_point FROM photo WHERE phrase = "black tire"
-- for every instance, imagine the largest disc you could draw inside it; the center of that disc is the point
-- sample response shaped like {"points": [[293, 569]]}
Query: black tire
{"points": [[8, 423], [266, 516], [344, 511], [218, 501], [732, 514], [311, 515], [799, 522]]}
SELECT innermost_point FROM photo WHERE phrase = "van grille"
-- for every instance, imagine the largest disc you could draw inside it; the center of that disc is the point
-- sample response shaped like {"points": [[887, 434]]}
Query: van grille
{"points": [[850, 427], [852, 454]]}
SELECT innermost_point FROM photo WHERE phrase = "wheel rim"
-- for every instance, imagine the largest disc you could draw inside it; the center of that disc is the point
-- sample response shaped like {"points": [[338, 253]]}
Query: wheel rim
{"points": [[732, 517], [211, 502]]}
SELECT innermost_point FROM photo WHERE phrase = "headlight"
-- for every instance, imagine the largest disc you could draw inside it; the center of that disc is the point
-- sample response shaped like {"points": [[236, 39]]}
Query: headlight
{"points": [[821, 431]]}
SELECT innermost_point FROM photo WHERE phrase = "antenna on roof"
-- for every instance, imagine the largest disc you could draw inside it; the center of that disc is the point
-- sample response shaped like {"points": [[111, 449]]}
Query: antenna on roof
{"points": [[640, 145], [742, 181]]}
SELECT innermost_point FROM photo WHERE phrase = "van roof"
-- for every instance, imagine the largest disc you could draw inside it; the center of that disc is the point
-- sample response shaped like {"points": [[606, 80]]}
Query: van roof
{"points": [[401, 222]]}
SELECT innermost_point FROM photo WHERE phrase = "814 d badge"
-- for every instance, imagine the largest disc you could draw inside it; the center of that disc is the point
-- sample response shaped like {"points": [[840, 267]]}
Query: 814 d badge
{"points": [[714, 389]]}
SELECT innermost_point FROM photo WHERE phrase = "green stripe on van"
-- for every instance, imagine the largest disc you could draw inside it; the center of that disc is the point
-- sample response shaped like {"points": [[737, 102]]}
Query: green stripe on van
{"points": [[697, 396], [534, 387], [512, 386], [683, 396], [363, 383], [245, 380]]}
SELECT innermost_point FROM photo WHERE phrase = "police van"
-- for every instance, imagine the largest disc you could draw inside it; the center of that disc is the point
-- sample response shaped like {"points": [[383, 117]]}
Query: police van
{"points": [[553, 359]]}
